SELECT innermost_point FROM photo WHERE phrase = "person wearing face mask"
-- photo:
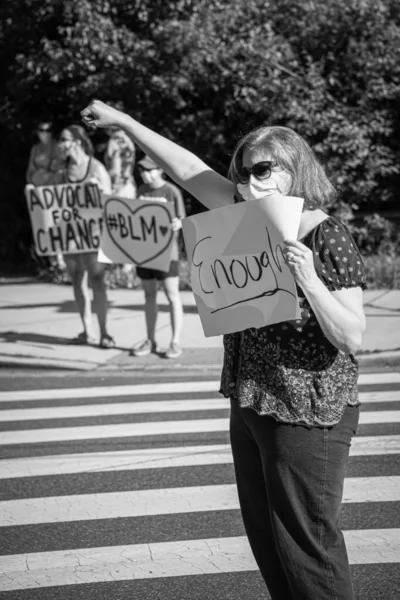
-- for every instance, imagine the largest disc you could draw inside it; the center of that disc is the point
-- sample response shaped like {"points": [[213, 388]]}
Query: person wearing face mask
{"points": [[44, 162], [292, 385], [119, 159], [156, 188], [44, 158], [80, 166]]}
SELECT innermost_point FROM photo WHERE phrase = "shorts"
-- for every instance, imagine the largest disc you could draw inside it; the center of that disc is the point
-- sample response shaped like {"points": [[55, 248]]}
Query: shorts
{"points": [[159, 275]]}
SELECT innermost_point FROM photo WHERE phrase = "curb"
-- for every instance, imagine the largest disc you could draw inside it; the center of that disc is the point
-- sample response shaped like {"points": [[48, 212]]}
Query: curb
{"points": [[194, 360], [44, 363]]}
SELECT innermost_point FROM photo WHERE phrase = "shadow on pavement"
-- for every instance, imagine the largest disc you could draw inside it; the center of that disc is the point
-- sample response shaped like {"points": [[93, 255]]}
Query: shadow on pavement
{"points": [[14, 337], [69, 306], [17, 336]]}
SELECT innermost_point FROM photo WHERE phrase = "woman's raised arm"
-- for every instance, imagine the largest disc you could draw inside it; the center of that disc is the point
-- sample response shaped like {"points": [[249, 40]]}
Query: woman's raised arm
{"points": [[184, 167]]}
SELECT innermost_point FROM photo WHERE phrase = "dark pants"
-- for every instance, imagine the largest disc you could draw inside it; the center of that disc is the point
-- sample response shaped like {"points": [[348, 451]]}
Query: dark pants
{"points": [[290, 483]]}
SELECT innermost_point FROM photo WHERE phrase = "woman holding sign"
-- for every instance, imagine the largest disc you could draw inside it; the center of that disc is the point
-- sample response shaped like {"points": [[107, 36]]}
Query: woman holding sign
{"points": [[155, 187], [293, 385], [81, 167]]}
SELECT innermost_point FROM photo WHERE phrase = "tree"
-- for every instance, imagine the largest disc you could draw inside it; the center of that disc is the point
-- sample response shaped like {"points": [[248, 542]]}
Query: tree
{"points": [[203, 73]]}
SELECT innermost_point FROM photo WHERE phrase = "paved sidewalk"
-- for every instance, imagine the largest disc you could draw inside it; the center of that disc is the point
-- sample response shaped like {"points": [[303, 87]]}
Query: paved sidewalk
{"points": [[37, 321]]}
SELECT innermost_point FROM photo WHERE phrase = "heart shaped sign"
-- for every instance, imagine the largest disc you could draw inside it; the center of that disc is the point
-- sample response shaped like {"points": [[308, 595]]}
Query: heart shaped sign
{"points": [[141, 230]]}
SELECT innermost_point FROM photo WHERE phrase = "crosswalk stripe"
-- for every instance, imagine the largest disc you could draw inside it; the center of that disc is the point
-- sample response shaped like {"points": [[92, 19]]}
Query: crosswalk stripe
{"points": [[391, 396], [188, 387], [154, 388], [379, 378], [382, 416], [125, 408], [112, 505], [158, 458], [172, 558], [169, 559], [37, 436], [58, 434]]}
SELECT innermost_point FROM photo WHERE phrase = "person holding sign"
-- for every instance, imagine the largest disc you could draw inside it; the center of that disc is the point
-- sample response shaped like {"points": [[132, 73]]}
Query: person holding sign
{"points": [[81, 167], [292, 385], [156, 188]]}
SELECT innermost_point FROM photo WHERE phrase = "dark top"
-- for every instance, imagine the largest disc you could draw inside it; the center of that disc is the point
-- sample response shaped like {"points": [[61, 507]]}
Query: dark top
{"points": [[290, 370]]}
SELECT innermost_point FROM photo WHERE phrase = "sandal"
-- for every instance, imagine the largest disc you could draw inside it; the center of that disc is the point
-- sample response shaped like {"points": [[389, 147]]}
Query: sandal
{"points": [[83, 339], [107, 342]]}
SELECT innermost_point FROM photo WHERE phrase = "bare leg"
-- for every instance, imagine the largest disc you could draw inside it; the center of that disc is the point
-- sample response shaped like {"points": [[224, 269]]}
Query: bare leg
{"points": [[171, 288], [150, 306], [78, 274], [96, 274]]}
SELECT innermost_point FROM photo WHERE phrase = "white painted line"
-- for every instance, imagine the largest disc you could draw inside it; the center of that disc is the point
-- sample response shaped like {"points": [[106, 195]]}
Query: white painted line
{"points": [[374, 378], [92, 432], [112, 391], [168, 559], [391, 396], [113, 505], [375, 445], [149, 458], [123, 408], [379, 416], [154, 388], [159, 458], [135, 407], [38, 436], [373, 546]]}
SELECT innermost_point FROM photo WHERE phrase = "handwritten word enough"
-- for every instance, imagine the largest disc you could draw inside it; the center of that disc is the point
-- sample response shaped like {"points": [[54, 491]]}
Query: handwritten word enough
{"points": [[239, 272]]}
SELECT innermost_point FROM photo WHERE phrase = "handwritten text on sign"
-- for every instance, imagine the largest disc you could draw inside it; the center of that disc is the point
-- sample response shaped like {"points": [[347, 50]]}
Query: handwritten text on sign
{"points": [[238, 274], [139, 232], [66, 218]]}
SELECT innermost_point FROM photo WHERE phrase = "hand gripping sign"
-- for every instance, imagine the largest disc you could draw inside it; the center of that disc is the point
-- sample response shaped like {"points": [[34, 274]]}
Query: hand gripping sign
{"points": [[138, 232], [65, 218], [238, 274]]}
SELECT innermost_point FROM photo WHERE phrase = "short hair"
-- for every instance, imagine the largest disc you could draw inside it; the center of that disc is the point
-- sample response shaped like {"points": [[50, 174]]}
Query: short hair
{"points": [[79, 133], [293, 153]]}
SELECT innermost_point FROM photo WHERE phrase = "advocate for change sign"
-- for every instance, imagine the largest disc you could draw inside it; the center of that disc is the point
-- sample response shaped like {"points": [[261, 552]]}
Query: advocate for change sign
{"points": [[238, 273], [138, 232], [65, 218]]}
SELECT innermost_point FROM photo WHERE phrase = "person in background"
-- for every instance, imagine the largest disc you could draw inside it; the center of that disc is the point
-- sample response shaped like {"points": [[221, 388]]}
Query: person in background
{"points": [[155, 187], [119, 159], [292, 385], [44, 157], [81, 167], [44, 162]]}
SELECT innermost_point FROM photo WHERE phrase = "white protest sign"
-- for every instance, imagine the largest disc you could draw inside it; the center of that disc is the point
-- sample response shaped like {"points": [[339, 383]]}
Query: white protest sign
{"points": [[238, 274], [138, 232], [66, 218]]}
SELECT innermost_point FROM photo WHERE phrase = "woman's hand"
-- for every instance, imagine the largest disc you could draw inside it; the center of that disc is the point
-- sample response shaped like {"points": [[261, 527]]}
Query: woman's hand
{"points": [[300, 261], [176, 224], [98, 114]]}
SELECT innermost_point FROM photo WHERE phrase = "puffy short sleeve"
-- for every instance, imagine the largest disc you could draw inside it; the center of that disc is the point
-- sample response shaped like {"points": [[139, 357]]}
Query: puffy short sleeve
{"points": [[337, 259]]}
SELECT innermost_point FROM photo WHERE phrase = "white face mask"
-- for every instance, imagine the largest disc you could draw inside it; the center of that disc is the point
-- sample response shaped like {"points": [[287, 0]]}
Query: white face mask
{"points": [[255, 191]]}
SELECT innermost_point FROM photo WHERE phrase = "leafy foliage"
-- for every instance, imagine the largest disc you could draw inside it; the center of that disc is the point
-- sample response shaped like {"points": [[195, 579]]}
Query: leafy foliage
{"points": [[203, 72]]}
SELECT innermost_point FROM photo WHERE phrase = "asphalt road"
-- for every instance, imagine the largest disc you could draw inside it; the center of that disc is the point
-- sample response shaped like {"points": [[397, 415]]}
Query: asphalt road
{"points": [[128, 491]]}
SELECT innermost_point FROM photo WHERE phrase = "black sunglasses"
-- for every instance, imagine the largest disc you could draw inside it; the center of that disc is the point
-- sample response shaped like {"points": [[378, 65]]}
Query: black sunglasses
{"points": [[261, 171], [44, 130]]}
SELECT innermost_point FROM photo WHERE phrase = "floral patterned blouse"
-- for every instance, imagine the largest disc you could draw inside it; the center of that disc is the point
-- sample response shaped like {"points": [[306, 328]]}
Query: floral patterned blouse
{"points": [[290, 370]]}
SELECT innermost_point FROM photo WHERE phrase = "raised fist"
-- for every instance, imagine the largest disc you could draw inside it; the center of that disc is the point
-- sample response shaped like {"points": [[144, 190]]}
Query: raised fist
{"points": [[98, 114]]}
